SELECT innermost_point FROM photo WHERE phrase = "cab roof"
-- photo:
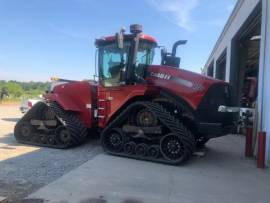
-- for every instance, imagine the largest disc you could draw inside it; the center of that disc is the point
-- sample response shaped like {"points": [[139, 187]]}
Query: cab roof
{"points": [[109, 39]]}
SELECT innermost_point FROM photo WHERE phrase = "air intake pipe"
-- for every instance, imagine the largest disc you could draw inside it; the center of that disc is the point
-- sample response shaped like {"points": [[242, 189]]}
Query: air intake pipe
{"points": [[176, 44]]}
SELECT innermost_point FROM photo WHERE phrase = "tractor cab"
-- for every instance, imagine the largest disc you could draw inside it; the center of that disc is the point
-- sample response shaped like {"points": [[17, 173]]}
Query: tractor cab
{"points": [[123, 58]]}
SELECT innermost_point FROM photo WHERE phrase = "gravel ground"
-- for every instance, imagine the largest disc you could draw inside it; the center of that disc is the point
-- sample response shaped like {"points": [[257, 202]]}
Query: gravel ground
{"points": [[24, 169]]}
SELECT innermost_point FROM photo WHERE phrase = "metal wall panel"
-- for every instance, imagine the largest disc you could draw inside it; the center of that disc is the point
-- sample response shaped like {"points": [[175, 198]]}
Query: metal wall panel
{"points": [[264, 77]]}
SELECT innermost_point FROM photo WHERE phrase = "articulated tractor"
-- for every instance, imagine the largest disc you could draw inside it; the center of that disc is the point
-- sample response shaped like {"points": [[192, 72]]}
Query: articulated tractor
{"points": [[159, 113]]}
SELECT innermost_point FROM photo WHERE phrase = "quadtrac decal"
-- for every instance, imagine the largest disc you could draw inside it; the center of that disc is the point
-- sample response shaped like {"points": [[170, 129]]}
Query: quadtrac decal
{"points": [[181, 81], [161, 75]]}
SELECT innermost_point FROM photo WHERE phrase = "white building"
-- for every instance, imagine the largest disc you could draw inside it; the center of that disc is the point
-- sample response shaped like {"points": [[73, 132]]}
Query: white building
{"points": [[242, 55]]}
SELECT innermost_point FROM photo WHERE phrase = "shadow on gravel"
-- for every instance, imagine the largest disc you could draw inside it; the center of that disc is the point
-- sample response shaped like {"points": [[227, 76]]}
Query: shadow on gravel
{"points": [[9, 141], [11, 119]]}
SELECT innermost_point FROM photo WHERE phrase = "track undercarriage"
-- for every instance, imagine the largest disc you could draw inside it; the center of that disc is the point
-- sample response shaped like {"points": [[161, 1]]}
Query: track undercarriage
{"points": [[145, 130], [48, 125]]}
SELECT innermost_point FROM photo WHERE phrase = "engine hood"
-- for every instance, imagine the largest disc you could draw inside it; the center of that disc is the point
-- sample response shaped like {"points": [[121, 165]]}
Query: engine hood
{"points": [[188, 85]]}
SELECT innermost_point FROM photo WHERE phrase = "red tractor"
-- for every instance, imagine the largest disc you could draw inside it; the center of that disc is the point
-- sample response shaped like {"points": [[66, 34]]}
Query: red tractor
{"points": [[153, 112]]}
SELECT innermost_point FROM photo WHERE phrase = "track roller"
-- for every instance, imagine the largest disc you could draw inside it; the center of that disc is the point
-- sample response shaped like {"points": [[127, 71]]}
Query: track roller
{"points": [[153, 151], [129, 147], [141, 149]]}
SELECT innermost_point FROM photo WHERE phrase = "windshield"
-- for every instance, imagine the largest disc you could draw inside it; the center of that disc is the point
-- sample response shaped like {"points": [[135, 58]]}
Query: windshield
{"points": [[113, 60]]}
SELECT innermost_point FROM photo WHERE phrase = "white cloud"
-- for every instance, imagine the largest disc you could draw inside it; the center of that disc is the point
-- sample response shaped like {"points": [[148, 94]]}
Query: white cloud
{"points": [[177, 11]]}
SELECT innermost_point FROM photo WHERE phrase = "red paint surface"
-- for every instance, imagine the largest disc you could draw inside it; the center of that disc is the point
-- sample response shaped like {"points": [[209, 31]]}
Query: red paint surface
{"points": [[112, 38], [74, 97], [191, 96], [115, 98], [261, 149]]}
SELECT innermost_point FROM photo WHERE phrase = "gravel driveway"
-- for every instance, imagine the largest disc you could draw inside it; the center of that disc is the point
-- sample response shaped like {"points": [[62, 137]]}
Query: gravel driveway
{"points": [[24, 169]]}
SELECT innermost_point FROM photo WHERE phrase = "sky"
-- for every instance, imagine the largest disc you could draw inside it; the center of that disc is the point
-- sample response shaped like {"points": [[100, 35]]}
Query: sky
{"points": [[44, 38]]}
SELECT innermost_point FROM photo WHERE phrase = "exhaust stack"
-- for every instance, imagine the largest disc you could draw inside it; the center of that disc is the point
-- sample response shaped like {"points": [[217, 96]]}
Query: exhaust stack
{"points": [[170, 59], [176, 44]]}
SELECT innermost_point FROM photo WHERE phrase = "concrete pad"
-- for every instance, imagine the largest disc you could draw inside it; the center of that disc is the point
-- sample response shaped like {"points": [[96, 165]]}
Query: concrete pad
{"points": [[113, 179], [223, 175]]}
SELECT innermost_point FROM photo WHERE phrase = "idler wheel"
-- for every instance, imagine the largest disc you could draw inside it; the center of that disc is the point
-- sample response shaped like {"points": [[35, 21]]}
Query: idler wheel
{"points": [[26, 131], [172, 147], [113, 140]]}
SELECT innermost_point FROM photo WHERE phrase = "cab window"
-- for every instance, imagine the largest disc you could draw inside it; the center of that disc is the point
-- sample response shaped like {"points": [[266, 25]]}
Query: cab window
{"points": [[113, 61]]}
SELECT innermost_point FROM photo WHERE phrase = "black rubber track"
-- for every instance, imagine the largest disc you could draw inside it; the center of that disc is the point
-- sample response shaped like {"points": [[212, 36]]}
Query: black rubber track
{"points": [[66, 119], [72, 123], [165, 117]]}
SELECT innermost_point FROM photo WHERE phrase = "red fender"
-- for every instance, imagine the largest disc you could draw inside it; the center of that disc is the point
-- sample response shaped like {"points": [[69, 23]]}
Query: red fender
{"points": [[64, 101]]}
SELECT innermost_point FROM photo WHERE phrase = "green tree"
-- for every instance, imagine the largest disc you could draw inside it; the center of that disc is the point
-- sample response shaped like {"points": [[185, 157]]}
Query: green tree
{"points": [[15, 90]]}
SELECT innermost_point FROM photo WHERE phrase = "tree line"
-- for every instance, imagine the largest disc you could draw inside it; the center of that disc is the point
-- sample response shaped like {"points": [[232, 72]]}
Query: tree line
{"points": [[16, 90]]}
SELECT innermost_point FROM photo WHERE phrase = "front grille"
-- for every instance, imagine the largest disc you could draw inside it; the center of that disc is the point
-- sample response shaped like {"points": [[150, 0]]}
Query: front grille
{"points": [[207, 111]]}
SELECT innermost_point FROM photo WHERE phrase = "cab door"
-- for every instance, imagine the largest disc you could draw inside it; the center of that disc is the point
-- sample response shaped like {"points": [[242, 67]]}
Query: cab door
{"points": [[113, 93]]}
